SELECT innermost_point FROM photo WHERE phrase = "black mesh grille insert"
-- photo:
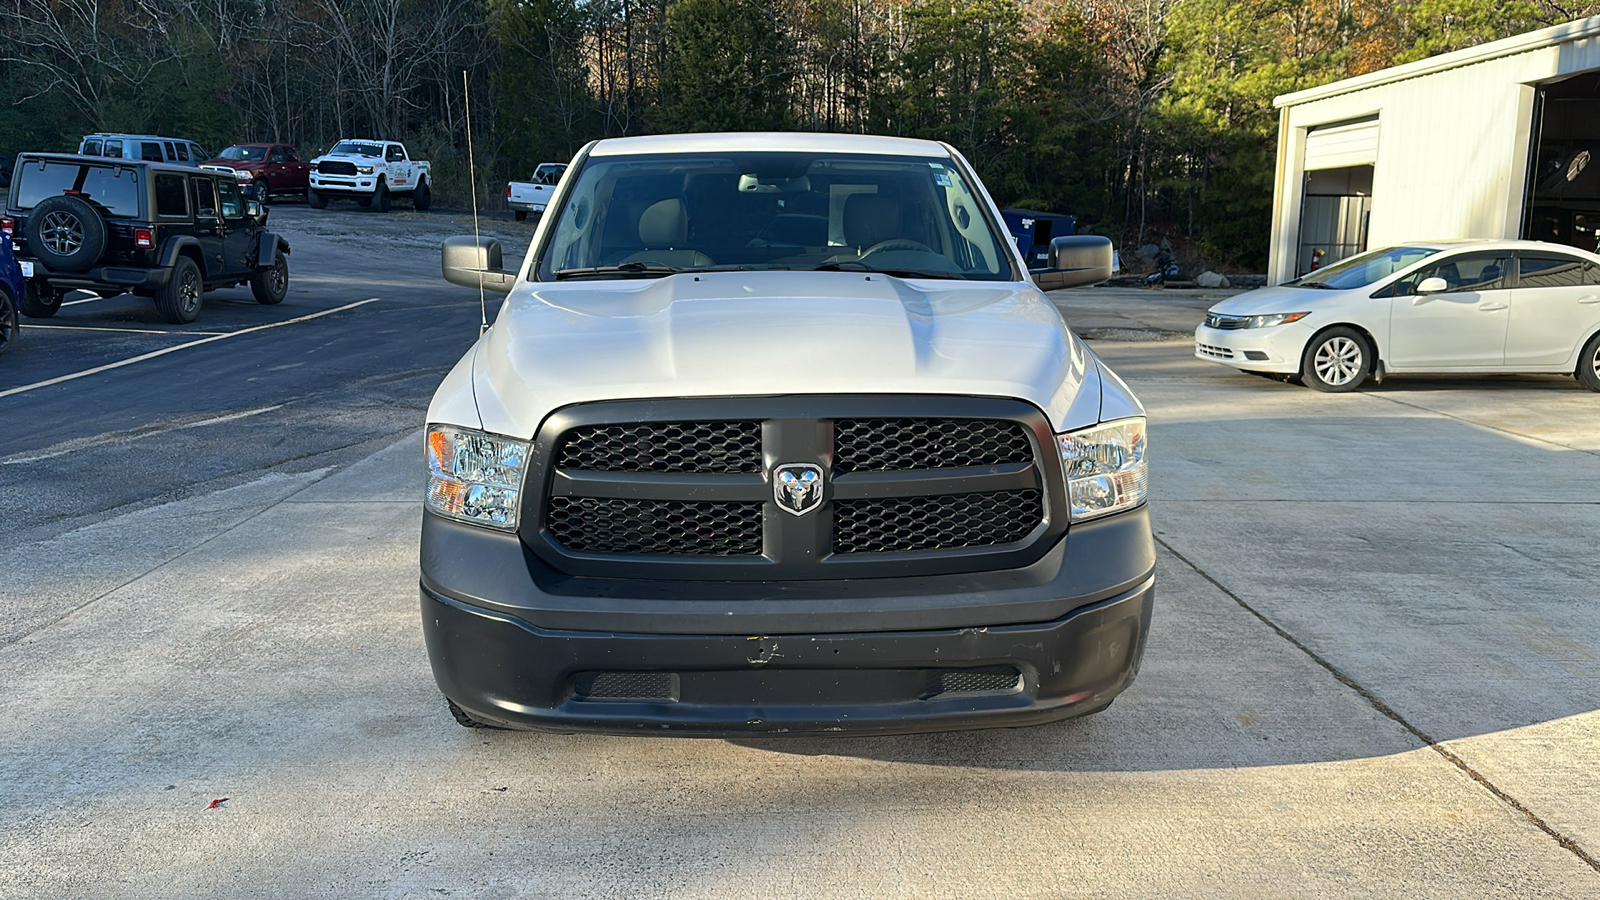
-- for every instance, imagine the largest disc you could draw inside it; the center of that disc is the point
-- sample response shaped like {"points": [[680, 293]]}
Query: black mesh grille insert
{"points": [[981, 680], [862, 445], [943, 522], [336, 167], [623, 686], [715, 447], [597, 525]]}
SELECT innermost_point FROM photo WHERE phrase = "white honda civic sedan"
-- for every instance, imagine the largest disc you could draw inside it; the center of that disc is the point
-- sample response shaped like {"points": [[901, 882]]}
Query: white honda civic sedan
{"points": [[1445, 306]]}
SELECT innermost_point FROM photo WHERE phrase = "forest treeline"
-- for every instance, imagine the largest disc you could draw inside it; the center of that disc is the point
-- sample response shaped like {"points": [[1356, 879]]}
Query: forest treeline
{"points": [[1146, 118]]}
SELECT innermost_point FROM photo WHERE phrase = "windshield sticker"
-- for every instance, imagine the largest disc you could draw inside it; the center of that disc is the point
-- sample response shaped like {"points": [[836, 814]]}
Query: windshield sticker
{"points": [[941, 179]]}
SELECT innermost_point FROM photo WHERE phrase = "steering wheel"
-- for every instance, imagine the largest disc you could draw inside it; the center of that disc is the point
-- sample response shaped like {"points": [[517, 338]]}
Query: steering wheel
{"points": [[896, 244]]}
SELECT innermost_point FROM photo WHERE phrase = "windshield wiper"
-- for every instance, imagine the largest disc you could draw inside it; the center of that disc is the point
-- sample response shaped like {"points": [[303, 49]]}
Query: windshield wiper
{"points": [[630, 268], [897, 273]]}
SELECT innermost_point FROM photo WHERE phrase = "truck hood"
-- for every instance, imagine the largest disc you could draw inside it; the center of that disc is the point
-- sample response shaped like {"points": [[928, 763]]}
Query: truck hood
{"points": [[349, 157], [771, 333]]}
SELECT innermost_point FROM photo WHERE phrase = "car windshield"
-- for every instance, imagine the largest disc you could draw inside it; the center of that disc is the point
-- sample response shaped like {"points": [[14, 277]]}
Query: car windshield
{"points": [[1360, 271], [245, 152], [357, 148], [653, 215], [113, 188]]}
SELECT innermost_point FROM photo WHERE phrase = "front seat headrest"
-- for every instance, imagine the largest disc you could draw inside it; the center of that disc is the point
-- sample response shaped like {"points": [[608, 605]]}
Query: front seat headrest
{"points": [[871, 219], [664, 223]]}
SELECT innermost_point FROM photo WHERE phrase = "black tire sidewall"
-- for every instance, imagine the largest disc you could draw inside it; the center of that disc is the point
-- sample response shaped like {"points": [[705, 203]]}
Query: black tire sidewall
{"points": [[380, 198], [422, 196], [1587, 376], [10, 319], [33, 304], [259, 192], [316, 200], [1308, 369], [261, 282], [169, 301], [89, 219]]}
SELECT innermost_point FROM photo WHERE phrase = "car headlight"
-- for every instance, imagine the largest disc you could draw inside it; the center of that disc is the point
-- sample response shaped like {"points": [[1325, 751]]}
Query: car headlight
{"points": [[363, 170], [475, 477], [1106, 468], [1273, 319]]}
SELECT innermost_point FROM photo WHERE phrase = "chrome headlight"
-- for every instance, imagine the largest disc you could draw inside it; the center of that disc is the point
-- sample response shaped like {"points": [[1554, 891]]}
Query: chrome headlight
{"points": [[363, 170], [475, 477], [1106, 468], [1273, 319]]}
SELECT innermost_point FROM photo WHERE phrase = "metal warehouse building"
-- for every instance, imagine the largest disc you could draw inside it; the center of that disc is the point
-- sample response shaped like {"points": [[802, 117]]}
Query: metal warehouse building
{"points": [[1496, 141]]}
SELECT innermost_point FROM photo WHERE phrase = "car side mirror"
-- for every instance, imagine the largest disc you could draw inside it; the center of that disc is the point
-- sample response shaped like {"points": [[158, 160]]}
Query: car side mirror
{"points": [[1434, 285], [252, 208], [1075, 260], [475, 262]]}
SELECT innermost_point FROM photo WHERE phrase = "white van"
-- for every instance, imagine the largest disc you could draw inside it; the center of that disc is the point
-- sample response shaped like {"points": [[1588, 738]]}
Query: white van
{"points": [[148, 147]]}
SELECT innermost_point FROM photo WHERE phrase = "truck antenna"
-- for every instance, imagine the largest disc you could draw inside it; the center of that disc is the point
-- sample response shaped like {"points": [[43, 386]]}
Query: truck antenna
{"points": [[472, 179]]}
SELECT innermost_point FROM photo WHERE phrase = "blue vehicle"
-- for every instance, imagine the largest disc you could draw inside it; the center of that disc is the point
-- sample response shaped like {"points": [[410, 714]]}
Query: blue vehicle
{"points": [[1033, 231], [11, 288]]}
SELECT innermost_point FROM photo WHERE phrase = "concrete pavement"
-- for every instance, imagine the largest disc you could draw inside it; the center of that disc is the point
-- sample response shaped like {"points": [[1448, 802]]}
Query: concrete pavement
{"points": [[1342, 579]]}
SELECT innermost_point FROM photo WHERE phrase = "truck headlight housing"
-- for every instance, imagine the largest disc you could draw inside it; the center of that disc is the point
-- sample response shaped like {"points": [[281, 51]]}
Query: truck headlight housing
{"points": [[475, 477], [1106, 468], [363, 170]]}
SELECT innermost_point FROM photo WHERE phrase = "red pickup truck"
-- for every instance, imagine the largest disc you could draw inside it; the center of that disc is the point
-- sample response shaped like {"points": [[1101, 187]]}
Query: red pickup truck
{"points": [[266, 170]]}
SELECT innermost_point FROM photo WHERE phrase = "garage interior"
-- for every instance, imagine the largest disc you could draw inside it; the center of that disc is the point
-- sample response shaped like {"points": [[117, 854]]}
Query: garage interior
{"points": [[1564, 180], [1336, 206]]}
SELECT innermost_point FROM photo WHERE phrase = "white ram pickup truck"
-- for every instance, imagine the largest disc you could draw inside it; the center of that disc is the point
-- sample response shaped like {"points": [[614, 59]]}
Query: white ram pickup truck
{"points": [[777, 433], [526, 197], [370, 173]]}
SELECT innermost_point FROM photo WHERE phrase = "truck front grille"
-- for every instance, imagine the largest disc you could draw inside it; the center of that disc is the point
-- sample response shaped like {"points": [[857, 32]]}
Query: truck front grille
{"points": [[596, 525], [660, 489], [664, 447], [942, 522], [865, 445], [336, 167]]}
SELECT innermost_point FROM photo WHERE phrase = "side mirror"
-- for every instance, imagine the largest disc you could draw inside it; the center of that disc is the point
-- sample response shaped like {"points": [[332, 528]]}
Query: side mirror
{"points": [[1434, 285], [252, 208], [1075, 260], [474, 262]]}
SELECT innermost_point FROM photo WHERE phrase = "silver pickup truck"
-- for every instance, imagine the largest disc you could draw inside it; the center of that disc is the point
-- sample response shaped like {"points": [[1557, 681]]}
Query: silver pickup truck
{"points": [[524, 197], [776, 433]]}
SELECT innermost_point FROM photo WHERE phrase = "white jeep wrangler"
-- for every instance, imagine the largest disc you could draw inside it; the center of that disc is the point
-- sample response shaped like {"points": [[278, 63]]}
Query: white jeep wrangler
{"points": [[776, 433], [370, 173]]}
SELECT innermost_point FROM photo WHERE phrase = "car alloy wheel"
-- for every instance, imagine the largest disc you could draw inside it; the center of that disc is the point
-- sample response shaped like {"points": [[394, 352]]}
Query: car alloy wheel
{"points": [[189, 291], [62, 233], [1338, 361], [279, 276]]}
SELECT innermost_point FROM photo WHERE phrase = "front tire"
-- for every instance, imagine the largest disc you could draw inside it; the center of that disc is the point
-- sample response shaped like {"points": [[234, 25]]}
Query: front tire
{"points": [[422, 197], [41, 302], [462, 717], [258, 191], [271, 285], [522, 215], [10, 324], [1589, 364], [180, 300], [380, 198], [316, 200], [1337, 361]]}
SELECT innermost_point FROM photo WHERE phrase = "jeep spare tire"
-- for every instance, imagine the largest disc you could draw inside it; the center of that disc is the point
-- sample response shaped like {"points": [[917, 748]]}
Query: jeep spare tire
{"points": [[66, 233]]}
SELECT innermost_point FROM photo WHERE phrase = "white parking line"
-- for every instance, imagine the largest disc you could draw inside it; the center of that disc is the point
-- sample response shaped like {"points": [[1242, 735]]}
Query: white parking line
{"points": [[95, 299], [163, 352], [32, 326]]}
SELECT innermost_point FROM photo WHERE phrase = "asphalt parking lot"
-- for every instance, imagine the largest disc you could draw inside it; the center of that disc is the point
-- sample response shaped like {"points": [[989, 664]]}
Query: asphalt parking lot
{"points": [[1374, 669]]}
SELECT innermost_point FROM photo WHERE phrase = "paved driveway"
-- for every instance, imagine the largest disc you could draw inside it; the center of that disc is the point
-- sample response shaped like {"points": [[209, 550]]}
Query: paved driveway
{"points": [[1373, 672]]}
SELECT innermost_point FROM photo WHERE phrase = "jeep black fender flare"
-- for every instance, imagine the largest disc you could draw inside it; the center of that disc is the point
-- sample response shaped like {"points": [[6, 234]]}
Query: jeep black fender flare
{"points": [[175, 246], [269, 247]]}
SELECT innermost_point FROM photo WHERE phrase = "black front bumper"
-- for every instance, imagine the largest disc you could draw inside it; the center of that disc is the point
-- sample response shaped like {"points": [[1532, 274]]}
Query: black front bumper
{"points": [[516, 644]]}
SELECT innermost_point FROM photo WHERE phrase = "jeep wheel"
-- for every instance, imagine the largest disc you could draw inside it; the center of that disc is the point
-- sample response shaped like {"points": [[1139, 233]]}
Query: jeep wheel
{"points": [[422, 197], [9, 323], [380, 198], [258, 191], [271, 285], [67, 233], [41, 301], [179, 301], [316, 200]]}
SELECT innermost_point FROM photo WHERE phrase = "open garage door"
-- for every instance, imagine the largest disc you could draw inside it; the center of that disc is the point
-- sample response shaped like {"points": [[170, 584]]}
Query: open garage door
{"points": [[1337, 200], [1564, 181]]}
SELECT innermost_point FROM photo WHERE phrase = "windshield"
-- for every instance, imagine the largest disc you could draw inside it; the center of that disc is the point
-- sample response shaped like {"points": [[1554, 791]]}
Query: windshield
{"points": [[114, 188], [244, 152], [641, 216], [1360, 271], [357, 148]]}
